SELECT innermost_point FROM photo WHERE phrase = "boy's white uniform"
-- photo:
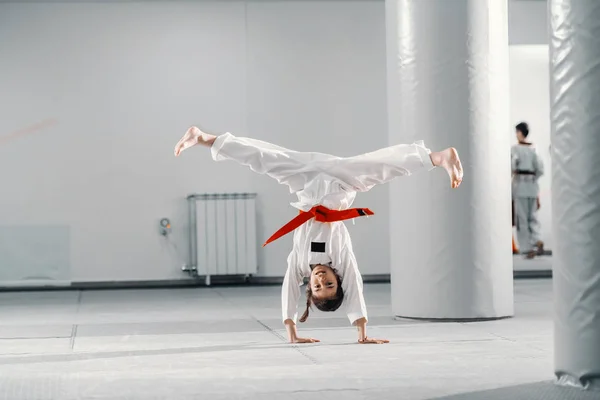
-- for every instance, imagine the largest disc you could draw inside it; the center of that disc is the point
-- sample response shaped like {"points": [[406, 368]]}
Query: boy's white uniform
{"points": [[329, 181], [527, 168]]}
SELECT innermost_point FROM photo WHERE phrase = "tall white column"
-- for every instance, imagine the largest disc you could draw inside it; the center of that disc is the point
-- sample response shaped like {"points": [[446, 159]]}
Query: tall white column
{"points": [[448, 85], [575, 113]]}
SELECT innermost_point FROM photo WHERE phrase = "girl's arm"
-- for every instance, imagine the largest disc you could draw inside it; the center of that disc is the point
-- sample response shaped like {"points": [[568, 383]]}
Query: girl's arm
{"points": [[292, 333], [352, 284], [361, 324], [290, 295]]}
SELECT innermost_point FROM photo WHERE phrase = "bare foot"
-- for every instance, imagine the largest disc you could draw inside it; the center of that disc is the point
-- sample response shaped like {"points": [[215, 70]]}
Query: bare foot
{"points": [[530, 255], [449, 160], [540, 248], [192, 137]]}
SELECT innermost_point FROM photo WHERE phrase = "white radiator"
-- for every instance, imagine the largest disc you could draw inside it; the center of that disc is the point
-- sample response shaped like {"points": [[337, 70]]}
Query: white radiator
{"points": [[223, 234]]}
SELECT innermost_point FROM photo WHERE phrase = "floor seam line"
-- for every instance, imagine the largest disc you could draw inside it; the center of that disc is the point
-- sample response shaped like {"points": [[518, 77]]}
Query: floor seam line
{"points": [[73, 335], [270, 330], [294, 346]]}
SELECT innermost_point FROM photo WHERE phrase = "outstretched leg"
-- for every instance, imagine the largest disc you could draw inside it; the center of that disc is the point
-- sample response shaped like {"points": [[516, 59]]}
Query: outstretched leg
{"points": [[292, 168], [364, 171]]}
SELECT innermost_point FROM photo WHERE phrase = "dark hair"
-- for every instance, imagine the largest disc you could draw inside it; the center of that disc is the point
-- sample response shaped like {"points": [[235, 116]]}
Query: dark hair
{"points": [[331, 304], [523, 128]]}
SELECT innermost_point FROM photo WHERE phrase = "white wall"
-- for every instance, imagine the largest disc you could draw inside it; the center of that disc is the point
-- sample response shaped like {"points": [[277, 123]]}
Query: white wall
{"points": [[530, 102], [81, 199], [124, 80], [528, 22]]}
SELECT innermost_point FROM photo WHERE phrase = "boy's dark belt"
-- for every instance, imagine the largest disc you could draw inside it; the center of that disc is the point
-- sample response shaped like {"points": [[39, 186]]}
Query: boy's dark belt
{"points": [[521, 172]]}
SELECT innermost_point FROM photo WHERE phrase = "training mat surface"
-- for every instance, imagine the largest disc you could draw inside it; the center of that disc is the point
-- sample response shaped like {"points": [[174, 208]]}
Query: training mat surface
{"points": [[529, 391]]}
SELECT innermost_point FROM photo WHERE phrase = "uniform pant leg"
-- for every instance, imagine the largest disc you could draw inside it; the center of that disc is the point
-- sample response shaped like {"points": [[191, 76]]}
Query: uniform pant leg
{"points": [[364, 171], [534, 222], [288, 167], [522, 205]]}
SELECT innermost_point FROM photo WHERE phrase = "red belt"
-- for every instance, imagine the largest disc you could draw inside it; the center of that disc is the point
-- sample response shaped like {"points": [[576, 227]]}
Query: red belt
{"points": [[321, 214]]}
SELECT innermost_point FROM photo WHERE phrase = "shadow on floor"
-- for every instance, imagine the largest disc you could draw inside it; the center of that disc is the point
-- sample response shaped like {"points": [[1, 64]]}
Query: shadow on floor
{"points": [[96, 355], [529, 391]]}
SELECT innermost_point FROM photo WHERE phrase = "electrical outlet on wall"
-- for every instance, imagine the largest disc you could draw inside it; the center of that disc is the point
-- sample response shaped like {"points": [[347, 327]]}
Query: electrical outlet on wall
{"points": [[165, 226]]}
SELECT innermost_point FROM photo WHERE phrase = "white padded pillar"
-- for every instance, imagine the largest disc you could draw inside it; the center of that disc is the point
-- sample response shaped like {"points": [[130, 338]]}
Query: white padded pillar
{"points": [[448, 85], [575, 114]]}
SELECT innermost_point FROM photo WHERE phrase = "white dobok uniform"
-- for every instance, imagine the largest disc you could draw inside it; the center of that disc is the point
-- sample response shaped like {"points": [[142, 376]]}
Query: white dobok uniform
{"points": [[527, 168], [329, 181]]}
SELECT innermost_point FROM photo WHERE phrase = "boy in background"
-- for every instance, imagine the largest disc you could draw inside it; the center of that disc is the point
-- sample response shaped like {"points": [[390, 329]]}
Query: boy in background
{"points": [[527, 168]]}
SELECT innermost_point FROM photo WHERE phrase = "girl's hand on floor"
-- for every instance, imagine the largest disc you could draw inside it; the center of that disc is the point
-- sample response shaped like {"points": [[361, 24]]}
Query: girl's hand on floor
{"points": [[373, 341], [305, 340]]}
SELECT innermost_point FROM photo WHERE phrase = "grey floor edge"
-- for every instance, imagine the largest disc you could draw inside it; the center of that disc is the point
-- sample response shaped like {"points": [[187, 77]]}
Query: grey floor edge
{"points": [[216, 282]]}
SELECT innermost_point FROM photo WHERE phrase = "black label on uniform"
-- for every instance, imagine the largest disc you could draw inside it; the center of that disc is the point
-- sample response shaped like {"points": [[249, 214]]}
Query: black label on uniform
{"points": [[317, 247]]}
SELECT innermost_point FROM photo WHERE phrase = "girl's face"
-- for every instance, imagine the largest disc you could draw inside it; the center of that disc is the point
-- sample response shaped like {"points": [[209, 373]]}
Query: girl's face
{"points": [[323, 282]]}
